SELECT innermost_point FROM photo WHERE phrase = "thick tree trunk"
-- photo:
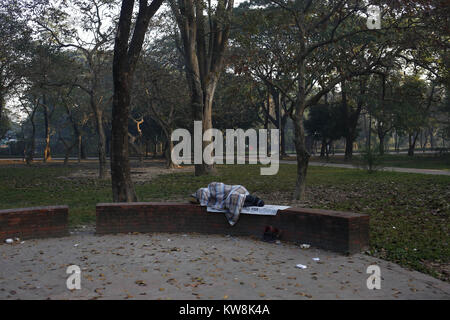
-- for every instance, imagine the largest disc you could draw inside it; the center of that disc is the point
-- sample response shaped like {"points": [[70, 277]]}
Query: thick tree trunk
{"points": [[351, 117], [349, 139], [205, 169], [122, 185], [204, 57], [125, 58]]}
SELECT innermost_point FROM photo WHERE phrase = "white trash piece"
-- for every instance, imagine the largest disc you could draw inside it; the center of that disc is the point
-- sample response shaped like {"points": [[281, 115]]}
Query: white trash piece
{"points": [[316, 259], [301, 266], [9, 241], [305, 246]]}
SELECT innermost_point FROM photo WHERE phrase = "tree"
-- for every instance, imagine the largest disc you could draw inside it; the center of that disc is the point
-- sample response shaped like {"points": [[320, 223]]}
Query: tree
{"points": [[15, 43], [233, 104], [126, 55], [204, 40], [93, 51], [162, 95], [414, 99], [325, 123], [317, 27]]}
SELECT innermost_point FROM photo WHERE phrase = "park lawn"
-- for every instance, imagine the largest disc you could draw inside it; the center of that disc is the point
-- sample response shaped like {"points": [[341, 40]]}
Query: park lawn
{"points": [[40, 186], [418, 161], [410, 213]]}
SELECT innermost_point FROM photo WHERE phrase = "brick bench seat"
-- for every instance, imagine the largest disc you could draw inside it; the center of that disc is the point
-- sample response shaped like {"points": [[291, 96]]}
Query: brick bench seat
{"points": [[35, 222], [343, 232]]}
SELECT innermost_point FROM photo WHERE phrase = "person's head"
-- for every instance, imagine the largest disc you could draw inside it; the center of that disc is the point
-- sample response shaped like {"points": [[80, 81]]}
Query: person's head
{"points": [[251, 201]]}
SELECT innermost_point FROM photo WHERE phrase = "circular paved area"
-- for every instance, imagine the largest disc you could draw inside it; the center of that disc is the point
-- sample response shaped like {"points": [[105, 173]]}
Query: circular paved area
{"points": [[190, 266]]}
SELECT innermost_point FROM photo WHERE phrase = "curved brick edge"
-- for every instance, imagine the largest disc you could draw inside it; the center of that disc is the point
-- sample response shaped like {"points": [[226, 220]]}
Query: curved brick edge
{"points": [[343, 232], [35, 222]]}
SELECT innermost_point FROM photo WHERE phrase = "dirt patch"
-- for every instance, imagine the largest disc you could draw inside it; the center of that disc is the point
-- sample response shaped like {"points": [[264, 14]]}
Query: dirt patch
{"points": [[139, 173]]}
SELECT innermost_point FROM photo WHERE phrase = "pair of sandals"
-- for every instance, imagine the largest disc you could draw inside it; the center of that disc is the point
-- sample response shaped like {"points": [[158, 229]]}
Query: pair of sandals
{"points": [[271, 234]]}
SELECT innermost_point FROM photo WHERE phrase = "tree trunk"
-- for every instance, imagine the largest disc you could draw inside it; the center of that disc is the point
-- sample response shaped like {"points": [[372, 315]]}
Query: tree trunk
{"points": [[80, 143], [205, 169], [381, 146], [169, 148], [412, 143], [125, 58], [302, 160], [203, 51], [431, 138], [101, 141], [369, 142], [282, 133], [396, 141], [424, 140], [47, 153], [122, 185], [299, 134], [349, 138], [68, 149], [30, 153], [322, 148], [83, 152]]}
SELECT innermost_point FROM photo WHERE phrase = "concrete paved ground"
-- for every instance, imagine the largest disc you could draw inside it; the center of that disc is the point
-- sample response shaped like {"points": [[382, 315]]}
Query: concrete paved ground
{"points": [[190, 266]]}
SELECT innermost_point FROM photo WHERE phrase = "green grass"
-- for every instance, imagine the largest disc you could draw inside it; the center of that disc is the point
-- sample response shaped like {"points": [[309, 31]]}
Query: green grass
{"points": [[40, 186], [410, 213], [418, 161]]}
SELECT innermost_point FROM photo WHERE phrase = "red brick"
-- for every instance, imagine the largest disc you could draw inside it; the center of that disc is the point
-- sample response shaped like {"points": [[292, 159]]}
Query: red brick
{"points": [[339, 231], [35, 222]]}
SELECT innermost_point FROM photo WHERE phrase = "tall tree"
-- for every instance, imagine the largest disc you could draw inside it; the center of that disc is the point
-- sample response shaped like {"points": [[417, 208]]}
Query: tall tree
{"points": [[92, 46], [317, 28], [126, 55], [15, 45], [204, 33]]}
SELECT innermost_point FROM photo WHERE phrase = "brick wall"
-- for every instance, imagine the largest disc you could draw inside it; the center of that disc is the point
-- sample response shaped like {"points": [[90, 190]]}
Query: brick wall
{"points": [[36, 222], [343, 232]]}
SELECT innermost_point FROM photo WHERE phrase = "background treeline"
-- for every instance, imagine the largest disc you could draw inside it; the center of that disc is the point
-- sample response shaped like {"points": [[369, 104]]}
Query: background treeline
{"points": [[316, 61]]}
